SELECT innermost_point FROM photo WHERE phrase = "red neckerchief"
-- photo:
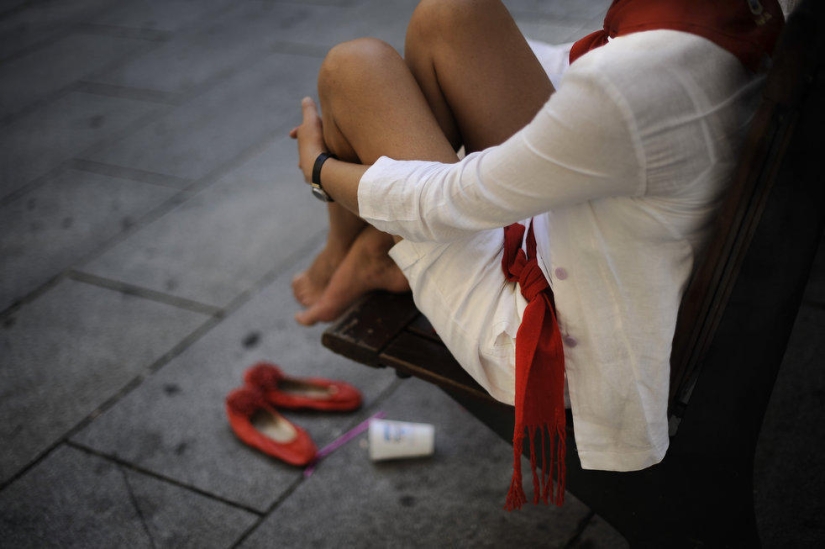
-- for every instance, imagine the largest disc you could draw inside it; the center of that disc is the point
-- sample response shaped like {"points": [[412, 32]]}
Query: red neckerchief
{"points": [[746, 28], [749, 30]]}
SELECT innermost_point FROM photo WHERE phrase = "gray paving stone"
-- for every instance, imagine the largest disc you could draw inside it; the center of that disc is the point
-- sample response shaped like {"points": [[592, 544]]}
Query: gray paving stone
{"points": [[54, 226], [789, 475], [219, 243], [73, 499], [40, 22], [386, 20], [11, 5], [68, 352], [217, 126], [40, 141], [32, 77], [164, 15], [190, 60], [454, 498], [174, 424]]}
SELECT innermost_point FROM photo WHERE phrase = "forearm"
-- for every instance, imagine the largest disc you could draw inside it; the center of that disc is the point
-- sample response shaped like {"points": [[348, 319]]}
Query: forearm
{"points": [[578, 148], [340, 180]]}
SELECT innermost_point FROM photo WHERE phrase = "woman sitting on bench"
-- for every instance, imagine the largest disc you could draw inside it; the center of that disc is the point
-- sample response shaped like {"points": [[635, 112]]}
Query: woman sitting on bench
{"points": [[614, 170]]}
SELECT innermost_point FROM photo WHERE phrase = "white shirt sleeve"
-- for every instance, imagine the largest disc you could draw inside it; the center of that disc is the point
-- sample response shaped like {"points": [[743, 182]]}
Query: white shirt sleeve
{"points": [[581, 146]]}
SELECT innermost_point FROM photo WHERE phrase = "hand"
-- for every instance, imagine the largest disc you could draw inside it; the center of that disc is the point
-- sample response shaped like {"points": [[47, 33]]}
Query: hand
{"points": [[310, 136]]}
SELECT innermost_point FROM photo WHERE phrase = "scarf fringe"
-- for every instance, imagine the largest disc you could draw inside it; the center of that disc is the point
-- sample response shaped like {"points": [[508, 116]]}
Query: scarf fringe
{"points": [[516, 497], [553, 446]]}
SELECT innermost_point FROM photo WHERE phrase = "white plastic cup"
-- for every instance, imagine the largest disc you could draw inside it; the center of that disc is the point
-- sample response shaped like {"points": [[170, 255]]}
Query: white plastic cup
{"points": [[400, 439]]}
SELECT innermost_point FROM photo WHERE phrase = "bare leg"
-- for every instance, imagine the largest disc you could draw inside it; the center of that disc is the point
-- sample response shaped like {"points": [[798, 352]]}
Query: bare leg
{"points": [[371, 105], [469, 75], [477, 71]]}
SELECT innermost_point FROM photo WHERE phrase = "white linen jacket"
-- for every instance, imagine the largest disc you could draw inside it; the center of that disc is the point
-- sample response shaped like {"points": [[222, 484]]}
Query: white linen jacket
{"points": [[622, 170]]}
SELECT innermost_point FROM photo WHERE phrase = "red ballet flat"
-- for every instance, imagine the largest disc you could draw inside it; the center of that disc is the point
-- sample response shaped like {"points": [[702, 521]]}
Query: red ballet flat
{"points": [[302, 393], [258, 425]]}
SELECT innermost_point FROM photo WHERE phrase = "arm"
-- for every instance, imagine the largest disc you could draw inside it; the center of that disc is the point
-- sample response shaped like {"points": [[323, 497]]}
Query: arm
{"points": [[580, 147]]}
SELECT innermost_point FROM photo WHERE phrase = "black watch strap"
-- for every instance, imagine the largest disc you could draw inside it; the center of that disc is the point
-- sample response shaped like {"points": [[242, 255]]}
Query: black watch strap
{"points": [[317, 188]]}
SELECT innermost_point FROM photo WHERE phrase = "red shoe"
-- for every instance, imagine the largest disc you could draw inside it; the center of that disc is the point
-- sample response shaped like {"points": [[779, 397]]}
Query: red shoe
{"points": [[255, 422], [302, 393]]}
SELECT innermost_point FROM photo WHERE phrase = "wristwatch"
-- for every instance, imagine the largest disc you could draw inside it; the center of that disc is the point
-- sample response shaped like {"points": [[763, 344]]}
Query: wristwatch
{"points": [[317, 189]]}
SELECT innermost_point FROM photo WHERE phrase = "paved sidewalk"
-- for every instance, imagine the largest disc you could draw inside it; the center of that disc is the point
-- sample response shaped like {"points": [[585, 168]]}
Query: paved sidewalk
{"points": [[151, 218]]}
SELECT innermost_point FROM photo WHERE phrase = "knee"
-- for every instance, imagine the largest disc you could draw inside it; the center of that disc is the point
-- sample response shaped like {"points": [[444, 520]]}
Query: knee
{"points": [[350, 62], [440, 19]]}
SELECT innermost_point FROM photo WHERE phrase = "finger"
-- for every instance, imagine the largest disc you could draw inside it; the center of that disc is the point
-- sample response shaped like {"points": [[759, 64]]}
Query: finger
{"points": [[308, 108], [293, 133]]}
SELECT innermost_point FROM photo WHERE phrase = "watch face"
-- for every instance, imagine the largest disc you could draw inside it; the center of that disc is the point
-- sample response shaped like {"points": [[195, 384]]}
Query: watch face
{"points": [[320, 194]]}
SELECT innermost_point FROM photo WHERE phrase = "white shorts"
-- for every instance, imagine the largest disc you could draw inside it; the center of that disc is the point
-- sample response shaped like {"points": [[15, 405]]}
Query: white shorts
{"points": [[460, 287]]}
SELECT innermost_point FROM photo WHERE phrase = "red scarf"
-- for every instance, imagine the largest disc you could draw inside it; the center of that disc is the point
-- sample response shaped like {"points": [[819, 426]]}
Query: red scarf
{"points": [[539, 400], [746, 28]]}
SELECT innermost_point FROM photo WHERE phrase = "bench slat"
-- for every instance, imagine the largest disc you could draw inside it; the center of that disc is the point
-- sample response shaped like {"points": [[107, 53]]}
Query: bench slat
{"points": [[365, 330], [420, 356]]}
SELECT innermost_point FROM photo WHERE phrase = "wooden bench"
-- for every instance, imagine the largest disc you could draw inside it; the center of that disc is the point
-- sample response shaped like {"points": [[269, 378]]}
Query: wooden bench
{"points": [[732, 331]]}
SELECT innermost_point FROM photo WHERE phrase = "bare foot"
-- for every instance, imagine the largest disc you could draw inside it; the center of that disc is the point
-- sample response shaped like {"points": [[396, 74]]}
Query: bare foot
{"points": [[365, 268], [309, 286]]}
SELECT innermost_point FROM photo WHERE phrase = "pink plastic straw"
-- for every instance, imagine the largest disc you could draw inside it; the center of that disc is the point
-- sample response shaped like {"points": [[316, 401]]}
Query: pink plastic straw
{"points": [[340, 441]]}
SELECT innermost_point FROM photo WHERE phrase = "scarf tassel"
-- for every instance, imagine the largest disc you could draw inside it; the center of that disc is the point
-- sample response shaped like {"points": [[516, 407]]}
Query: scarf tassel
{"points": [[553, 445]]}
